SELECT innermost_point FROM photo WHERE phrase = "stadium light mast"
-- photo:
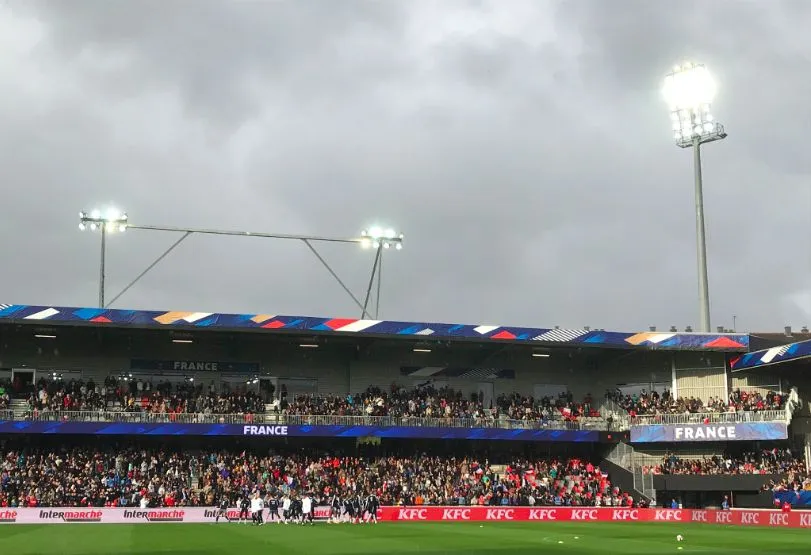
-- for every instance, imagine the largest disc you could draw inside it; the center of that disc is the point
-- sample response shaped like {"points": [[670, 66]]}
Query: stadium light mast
{"points": [[115, 221], [689, 91], [379, 239], [106, 222]]}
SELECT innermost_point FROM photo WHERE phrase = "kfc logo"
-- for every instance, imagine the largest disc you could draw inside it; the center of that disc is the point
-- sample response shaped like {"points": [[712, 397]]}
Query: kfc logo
{"points": [[700, 516], [667, 515], [625, 514], [456, 514], [778, 519], [543, 514], [750, 518], [500, 514], [584, 514], [723, 518], [412, 514]]}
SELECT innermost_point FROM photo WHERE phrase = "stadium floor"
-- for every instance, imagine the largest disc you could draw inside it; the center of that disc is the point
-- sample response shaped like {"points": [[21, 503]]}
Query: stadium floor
{"points": [[398, 538]]}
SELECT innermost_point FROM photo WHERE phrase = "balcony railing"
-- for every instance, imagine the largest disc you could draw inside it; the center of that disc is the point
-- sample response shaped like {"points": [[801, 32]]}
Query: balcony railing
{"points": [[584, 423], [292, 420], [711, 417]]}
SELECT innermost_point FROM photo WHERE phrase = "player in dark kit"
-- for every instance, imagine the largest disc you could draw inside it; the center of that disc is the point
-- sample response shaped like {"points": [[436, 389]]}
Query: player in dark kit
{"points": [[295, 510], [244, 509], [349, 509], [335, 512], [372, 506], [357, 509], [273, 509], [223, 511]]}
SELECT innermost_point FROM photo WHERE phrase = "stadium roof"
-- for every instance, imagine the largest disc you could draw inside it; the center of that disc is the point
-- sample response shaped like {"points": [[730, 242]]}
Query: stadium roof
{"points": [[424, 331], [775, 355]]}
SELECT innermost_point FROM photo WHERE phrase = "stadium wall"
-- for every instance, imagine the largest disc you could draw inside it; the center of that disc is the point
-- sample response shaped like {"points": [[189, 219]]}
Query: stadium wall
{"points": [[736, 483]]}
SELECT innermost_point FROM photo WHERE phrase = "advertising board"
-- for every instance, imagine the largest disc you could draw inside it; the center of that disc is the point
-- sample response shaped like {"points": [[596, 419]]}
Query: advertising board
{"points": [[273, 431], [687, 433], [795, 519]]}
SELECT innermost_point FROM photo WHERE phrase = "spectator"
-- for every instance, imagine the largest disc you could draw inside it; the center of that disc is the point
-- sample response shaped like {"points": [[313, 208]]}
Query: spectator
{"points": [[132, 477], [654, 403], [767, 461]]}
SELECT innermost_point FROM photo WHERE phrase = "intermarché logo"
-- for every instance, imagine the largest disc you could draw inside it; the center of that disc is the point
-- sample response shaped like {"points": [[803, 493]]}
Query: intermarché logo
{"points": [[8, 516], [156, 515], [71, 515]]}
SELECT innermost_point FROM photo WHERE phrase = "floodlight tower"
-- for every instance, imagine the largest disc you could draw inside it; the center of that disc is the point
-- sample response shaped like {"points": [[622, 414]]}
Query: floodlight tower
{"points": [[110, 221], [379, 239], [689, 91], [113, 220]]}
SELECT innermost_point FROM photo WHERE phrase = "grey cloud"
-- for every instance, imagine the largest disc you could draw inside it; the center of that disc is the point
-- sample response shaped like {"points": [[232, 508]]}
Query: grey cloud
{"points": [[212, 50], [523, 148]]}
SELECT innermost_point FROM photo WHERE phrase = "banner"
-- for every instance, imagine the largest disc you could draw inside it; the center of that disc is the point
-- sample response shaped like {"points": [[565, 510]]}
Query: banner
{"points": [[573, 514], [795, 498], [65, 515], [677, 433], [798, 519], [194, 366], [271, 431]]}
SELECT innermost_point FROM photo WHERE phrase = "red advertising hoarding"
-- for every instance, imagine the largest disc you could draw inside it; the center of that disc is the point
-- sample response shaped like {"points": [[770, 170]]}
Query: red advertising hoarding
{"points": [[587, 514]]}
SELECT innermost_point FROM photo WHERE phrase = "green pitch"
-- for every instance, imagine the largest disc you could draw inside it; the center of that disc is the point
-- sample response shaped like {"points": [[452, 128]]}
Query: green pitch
{"points": [[398, 539]]}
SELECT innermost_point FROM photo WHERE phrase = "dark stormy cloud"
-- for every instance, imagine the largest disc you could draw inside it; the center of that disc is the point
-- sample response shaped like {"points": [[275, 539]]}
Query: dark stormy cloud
{"points": [[523, 147]]}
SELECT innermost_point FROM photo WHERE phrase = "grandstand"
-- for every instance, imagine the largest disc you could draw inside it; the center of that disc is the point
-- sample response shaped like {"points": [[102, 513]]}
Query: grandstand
{"points": [[636, 408]]}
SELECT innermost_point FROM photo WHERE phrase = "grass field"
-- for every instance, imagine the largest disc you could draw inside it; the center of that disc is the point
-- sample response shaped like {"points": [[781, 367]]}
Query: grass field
{"points": [[398, 538]]}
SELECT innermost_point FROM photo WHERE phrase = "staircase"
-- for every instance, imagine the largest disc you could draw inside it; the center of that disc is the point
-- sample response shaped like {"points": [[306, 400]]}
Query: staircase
{"points": [[610, 409], [623, 461], [793, 404], [19, 408]]}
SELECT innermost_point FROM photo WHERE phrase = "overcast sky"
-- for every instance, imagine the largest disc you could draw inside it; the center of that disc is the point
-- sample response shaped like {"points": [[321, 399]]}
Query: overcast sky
{"points": [[523, 147]]}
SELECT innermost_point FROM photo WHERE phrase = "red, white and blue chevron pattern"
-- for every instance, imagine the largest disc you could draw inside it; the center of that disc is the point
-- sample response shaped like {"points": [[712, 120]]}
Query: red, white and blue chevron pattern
{"points": [[775, 355], [270, 322]]}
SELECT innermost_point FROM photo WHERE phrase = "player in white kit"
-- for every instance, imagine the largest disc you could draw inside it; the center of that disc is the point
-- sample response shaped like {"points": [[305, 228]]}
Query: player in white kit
{"points": [[307, 509]]}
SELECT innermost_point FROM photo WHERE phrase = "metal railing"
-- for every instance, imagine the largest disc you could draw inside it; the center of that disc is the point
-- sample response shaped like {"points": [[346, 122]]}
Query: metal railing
{"points": [[583, 423], [619, 416], [292, 420], [710, 417]]}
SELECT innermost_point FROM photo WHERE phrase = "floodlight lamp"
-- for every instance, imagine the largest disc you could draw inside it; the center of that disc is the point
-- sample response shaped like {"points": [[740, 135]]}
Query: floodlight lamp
{"points": [[377, 237], [111, 220], [689, 87]]}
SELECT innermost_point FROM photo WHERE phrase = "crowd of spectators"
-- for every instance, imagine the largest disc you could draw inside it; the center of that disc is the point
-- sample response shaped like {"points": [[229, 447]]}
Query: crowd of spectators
{"points": [[140, 396], [430, 402], [116, 477], [136, 395], [766, 461], [795, 481], [655, 403]]}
